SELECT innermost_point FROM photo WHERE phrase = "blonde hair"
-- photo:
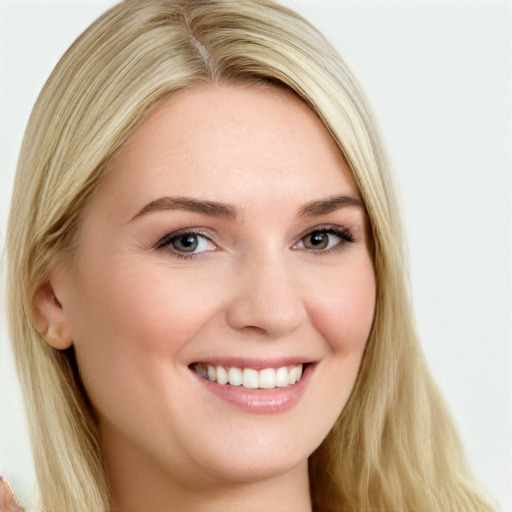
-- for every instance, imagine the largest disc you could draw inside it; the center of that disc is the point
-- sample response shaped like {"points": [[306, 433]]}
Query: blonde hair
{"points": [[394, 446]]}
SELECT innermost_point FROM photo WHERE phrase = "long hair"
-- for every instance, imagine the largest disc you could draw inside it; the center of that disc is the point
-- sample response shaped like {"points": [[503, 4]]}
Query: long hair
{"points": [[394, 446]]}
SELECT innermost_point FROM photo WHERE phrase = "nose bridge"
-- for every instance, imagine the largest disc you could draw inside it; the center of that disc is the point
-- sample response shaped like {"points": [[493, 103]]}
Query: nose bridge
{"points": [[268, 298]]}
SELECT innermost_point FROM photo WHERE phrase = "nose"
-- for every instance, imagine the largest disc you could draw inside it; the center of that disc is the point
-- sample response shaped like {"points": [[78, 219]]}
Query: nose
{"points": [[267, 299]]}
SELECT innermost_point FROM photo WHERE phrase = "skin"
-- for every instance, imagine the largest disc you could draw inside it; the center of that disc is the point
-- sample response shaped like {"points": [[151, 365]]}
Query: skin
{"points": [[138, 315]]}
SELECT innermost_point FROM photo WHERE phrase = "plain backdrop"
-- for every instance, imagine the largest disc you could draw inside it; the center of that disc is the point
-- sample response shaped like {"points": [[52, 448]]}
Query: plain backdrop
{"points": [[438, 74]]}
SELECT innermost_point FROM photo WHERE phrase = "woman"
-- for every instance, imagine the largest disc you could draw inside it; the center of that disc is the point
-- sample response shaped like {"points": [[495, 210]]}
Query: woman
{"points": [[212, 311]]}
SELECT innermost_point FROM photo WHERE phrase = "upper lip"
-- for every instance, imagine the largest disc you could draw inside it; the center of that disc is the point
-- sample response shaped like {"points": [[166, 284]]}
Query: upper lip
{"points": [[254, 363]]}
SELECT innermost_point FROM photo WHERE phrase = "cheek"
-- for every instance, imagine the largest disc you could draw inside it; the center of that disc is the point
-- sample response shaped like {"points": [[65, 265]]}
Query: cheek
{"points": [[343, 311], [168, 309], [139, 310], [131, 326]]}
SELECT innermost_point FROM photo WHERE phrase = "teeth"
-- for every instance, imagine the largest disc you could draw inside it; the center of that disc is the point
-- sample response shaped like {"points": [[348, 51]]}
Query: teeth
{"points": [[221, 375], [235, 376], [282, 378], [269, 378], [250, 379]]}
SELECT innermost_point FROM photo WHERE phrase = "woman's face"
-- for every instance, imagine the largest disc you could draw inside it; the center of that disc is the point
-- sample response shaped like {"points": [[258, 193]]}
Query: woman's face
{"points": [[227, 242]]}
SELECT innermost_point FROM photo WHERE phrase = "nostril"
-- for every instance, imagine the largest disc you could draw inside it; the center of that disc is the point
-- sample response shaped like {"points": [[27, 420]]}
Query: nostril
{"points": [[254, 328]]}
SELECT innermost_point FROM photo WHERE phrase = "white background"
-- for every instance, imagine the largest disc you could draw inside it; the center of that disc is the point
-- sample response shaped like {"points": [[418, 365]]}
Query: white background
{"points": [[438, 74]]}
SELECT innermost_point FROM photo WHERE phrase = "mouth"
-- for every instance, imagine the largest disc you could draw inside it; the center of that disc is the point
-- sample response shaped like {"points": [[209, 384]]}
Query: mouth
{"points": [[251, 378]]}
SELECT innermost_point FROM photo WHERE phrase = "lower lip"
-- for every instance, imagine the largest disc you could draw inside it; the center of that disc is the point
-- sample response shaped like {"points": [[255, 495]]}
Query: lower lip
{"points": [[260, 401]]}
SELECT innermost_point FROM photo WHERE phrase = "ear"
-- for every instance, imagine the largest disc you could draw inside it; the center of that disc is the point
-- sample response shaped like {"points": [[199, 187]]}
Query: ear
{"points": [[50, 318]]}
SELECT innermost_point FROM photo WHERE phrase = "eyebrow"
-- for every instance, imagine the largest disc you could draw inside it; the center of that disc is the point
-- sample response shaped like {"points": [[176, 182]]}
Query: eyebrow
{"points": [[211, 208], [219, 209], [331, 204]]}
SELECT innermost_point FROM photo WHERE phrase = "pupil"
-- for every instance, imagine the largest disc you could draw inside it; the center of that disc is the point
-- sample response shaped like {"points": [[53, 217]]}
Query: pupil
{"points": [[186, 243], [318, 240]]}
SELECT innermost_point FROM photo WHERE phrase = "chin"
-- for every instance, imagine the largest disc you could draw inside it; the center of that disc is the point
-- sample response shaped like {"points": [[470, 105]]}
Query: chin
{"points": [[259, 467], [258, 453]]}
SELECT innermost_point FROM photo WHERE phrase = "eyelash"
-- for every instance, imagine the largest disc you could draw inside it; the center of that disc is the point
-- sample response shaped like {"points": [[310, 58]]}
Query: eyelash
{"points": [[344, 235]]}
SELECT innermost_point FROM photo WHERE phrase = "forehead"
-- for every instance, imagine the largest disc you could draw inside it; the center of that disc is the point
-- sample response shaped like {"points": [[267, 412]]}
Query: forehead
{"points": [[223, 140]]}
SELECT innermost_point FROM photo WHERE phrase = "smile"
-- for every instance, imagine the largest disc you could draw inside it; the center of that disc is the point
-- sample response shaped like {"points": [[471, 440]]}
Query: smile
{"points": [[249, 378]]}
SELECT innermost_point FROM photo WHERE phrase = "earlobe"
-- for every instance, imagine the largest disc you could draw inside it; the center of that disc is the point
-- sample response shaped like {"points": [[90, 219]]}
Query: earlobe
{"points": [[50, 318], [57, 339]]}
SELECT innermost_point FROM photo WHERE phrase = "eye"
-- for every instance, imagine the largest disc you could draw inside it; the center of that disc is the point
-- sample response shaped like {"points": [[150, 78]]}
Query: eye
{"points": [[320, 240], [186, 243], [324, 239], [189, 242]]}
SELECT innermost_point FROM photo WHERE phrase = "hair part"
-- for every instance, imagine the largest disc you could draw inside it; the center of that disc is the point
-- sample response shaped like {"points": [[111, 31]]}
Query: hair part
{"points": [[394, 446]]}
